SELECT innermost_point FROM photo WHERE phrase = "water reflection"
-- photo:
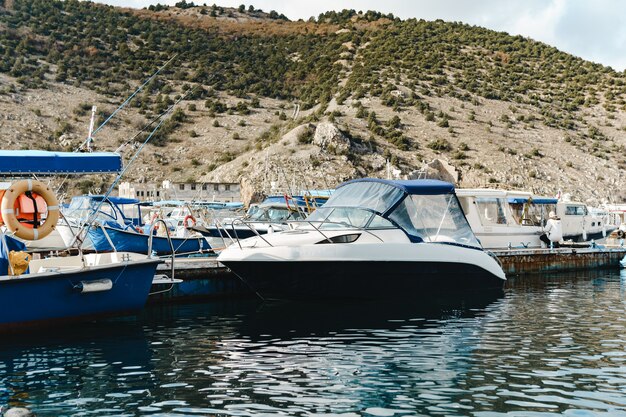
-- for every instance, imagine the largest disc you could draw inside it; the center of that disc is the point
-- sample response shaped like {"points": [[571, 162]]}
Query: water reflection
{"points": [[550, 345]]}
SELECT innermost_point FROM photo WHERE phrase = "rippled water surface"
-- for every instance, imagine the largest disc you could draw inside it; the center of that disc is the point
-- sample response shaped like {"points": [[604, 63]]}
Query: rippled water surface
{"points": [[551, 345]]}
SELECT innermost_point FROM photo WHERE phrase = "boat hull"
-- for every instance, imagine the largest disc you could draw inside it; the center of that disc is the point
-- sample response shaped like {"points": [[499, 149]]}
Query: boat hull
{"points": [[53, 298], [298, 280], [125, 241]]}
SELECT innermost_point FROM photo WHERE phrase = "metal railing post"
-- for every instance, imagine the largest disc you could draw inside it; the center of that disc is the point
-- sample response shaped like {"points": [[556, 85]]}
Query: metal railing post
{"points": [[169, 239]]}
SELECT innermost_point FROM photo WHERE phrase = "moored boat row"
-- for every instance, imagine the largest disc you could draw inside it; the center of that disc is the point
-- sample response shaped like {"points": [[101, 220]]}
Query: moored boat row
{"points": [[372, 239]]}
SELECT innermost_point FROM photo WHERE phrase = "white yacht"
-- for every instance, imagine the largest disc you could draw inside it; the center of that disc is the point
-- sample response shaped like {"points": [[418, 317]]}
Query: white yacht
{"points": [[504, 219], [373, 239]]}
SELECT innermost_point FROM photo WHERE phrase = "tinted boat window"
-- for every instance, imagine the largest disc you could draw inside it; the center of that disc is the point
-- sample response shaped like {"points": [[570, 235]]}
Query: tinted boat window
{"points": [[575, 210], [491, 210], [434, 218]]}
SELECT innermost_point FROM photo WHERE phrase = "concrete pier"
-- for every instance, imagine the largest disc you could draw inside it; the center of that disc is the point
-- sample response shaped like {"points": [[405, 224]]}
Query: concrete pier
{"points": [[532, 261]]}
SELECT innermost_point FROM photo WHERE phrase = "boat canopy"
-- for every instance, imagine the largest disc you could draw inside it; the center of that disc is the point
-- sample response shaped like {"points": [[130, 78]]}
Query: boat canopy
{"points": [[539, 200], [114, 200], [46, 163], [421, 187], [300, 200], [381, 195], [164, 203], [426, 210], [216, 205]]}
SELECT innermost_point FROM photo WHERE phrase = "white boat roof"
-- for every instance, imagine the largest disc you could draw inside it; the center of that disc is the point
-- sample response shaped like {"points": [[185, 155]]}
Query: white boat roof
{"points": [[490, 192]]}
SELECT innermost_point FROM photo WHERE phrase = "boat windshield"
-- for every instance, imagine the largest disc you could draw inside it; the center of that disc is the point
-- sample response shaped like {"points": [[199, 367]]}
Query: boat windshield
{"points": [[434, 218], [352, 217], [275, 214], [378, 197], [80, 208]]}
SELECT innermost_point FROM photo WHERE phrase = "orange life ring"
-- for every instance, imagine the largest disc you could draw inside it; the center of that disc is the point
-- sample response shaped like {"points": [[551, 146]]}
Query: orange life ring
{"points": [[287, 198], [14, 225], [189, 217]]}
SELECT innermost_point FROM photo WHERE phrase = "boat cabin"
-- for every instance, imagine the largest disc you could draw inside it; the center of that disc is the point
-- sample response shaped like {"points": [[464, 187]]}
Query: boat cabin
{"points": [[426, 210], [111, 210]]}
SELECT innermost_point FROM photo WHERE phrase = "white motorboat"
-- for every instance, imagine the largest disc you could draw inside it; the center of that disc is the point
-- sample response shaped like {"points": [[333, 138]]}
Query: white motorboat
{"points": [[504, 219], [373, 239], [272, 215]]}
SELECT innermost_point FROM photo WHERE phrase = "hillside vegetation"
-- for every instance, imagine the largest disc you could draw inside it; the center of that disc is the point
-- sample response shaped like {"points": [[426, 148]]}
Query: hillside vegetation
{"points": [[504, 110]]}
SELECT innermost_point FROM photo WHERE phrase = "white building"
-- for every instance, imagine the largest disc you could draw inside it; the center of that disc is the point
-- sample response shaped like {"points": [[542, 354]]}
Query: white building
{"points": [[185, 191]]}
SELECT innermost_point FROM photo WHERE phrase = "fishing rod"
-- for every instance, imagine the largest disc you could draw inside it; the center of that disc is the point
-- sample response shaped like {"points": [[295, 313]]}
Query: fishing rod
{"points": [[121, 106], [129, 141], [95, 211]]}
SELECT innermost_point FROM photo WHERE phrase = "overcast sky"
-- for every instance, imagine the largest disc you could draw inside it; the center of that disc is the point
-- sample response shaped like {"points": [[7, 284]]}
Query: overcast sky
{"points": [[594, 30]]}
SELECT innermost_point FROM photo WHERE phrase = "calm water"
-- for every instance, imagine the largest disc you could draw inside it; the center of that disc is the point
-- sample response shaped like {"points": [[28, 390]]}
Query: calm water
{"points": [[549, 346]]}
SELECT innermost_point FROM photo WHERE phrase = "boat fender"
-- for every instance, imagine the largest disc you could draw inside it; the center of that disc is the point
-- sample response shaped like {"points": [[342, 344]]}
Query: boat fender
{"points": [[189, 221], [99, 285], [16, 412], [8, 209], [270, 229], [19, 261]]}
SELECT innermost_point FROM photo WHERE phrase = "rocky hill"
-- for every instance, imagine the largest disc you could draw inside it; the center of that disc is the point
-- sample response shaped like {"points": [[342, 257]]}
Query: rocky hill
{"points": [[307, 104]]}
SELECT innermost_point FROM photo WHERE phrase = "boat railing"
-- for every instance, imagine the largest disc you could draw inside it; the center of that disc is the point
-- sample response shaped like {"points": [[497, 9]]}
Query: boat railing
{"points": [[311, 223], [169, 240], [107, 237], [321, 222], [76, 240], [219, 226], [249, 226]]}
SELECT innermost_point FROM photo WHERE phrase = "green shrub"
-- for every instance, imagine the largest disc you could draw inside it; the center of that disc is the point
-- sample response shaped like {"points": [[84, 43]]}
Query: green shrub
{"points": [[439, 145]]}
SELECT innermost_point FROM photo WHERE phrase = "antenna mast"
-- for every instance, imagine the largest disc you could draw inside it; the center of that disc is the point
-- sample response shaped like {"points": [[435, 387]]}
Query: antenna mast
{"points": [[91, 124]]}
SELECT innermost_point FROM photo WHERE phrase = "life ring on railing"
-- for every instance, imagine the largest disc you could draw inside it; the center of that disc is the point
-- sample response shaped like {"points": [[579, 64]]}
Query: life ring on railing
{"points": [[153, 219], [10, 210], [287, 201], [186, 221]]}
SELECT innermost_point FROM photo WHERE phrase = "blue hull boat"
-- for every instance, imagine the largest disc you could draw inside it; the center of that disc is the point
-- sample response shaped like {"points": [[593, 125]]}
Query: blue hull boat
{"points": [[57, 289], [127, 241], [61, 295]]}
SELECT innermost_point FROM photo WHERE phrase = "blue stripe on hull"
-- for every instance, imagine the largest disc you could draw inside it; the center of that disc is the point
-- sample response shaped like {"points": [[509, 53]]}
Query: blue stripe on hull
{"points": [[361, 280], [52, 298]]}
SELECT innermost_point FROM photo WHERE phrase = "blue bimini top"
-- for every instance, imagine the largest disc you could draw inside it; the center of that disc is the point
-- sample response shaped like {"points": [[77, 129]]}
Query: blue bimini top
{"points": [[539, 200], [419, 187], [381, 195], [48, 163], [114, 199]]}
